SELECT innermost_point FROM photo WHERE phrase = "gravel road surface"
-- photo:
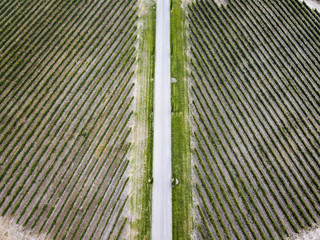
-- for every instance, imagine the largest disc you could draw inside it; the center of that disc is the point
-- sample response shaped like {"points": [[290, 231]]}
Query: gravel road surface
{"points": [[161, 195]]}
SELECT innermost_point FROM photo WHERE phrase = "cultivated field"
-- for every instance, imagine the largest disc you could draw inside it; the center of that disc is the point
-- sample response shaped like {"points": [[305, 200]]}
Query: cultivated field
{"points": [[255, 92], [67, 84]]}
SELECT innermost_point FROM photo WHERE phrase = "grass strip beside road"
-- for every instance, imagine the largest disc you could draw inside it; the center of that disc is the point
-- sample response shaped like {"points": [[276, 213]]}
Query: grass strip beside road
{"points": [[181, 155], [142, 146]]}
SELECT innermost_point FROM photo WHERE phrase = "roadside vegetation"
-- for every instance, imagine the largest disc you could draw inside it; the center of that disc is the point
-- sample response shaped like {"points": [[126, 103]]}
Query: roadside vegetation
{"points": [[180, 127], [67, 111], [142, 147], [255, 115]]}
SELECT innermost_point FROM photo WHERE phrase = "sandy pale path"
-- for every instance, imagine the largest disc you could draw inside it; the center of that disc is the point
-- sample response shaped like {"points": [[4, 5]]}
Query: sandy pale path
{"points": [[161, 195]]}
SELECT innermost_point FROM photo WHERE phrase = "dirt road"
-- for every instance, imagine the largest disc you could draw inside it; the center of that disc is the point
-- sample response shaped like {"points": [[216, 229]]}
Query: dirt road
{"points": [[161, 196]]}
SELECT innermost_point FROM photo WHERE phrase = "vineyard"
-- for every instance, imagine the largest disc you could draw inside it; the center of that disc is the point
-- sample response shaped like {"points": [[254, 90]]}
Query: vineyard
{"points": [[67, 84], [255, 112], [76, 118]]}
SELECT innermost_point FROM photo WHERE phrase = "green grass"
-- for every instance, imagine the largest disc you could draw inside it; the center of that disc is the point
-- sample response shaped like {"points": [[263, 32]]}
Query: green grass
{"points": [[181, 158], [141, 166]]}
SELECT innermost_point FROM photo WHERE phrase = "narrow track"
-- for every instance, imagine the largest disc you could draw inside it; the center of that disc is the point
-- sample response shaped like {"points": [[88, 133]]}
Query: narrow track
{"points": [[161, 196]]}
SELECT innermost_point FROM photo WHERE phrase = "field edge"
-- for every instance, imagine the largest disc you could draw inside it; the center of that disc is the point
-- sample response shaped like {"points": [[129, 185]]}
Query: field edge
{"points": [[142, 142]]}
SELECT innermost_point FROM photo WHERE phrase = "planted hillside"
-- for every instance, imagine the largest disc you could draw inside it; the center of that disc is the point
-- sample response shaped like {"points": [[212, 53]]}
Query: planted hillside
{"points": [[255, 82], [66, 109]]}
